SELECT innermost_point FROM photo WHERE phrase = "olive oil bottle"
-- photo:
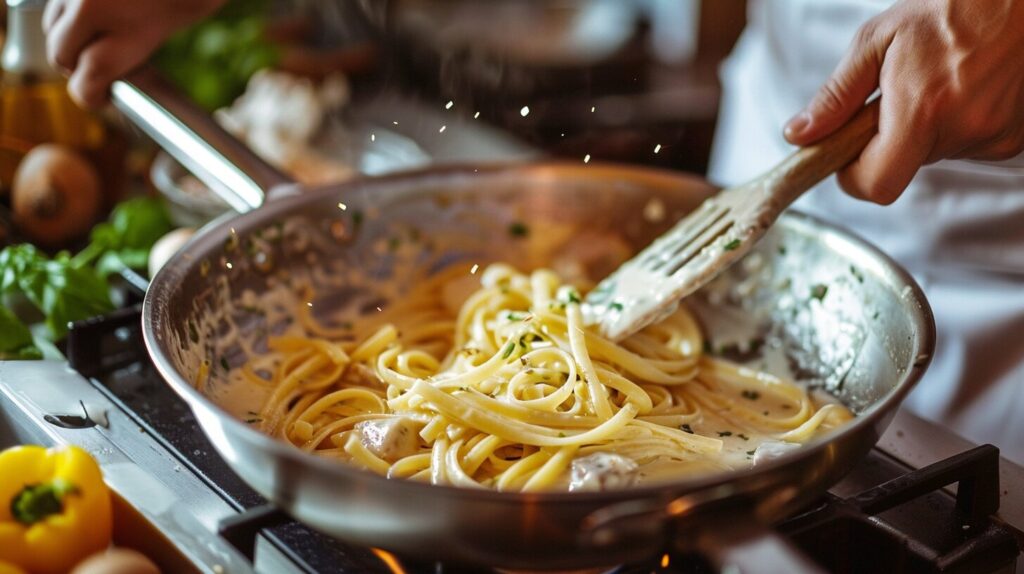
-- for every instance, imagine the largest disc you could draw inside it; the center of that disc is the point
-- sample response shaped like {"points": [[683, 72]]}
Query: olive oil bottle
{"points": [[34, 103]]}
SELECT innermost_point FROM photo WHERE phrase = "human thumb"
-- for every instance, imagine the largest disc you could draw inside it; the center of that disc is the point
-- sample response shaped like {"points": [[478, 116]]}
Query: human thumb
{"points": [[853, 80]]}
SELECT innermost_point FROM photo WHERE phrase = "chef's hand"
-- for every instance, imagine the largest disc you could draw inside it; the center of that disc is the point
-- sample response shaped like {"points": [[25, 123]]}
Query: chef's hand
{"points": [[951, 77], [98, 41]]}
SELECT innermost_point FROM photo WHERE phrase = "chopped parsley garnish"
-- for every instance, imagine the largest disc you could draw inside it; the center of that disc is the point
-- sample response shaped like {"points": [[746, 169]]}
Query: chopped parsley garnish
{"points": [[515, 316], [508, 350], [254, 420], [732, 244], [193, 333], [686, 428], [224, 364], [561, 435], [517, 229], [357, 218], [819, 291], [615, 306], [856, 274], [782, 250], [724, 433], [750, 453], [574, 297], [743, 436], [750, 395], [875, 316]]}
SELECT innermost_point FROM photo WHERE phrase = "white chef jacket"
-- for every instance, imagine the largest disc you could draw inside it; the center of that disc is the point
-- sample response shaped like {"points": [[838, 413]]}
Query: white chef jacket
{"points": [[959, 228]]}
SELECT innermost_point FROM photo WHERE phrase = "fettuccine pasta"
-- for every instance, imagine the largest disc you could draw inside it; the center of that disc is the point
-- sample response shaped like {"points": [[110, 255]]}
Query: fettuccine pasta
{"points": [[511, 391]]}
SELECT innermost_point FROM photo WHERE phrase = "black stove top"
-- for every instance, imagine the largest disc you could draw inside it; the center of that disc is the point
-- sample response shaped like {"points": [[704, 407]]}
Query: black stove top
{"points": [[884, 517]]}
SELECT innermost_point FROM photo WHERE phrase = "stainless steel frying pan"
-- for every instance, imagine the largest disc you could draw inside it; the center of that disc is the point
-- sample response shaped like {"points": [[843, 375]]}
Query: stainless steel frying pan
{"points": [[841, 314]]}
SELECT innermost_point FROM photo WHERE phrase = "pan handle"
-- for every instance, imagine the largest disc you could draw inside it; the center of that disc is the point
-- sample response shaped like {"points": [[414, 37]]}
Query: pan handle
{"points": [[728, 532], [193, 138]]}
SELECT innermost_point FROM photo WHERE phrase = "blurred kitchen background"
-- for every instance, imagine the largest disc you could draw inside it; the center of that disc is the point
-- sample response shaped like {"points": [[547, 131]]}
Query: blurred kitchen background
{"points": [[331, 89]]}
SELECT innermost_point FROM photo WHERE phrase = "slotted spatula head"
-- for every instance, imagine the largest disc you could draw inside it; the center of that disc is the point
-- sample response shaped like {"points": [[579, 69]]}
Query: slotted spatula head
{"points": [[723, 229]]}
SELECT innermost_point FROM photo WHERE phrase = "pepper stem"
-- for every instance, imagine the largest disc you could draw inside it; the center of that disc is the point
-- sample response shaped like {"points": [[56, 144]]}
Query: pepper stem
{"points": [[37, 501]]}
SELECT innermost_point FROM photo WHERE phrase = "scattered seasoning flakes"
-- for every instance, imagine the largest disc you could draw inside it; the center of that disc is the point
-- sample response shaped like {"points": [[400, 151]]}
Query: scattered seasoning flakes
{"points": [[766, 413], [518, 229], [441, 131], [476, 115], [224, 364], [474, 269], [254, 420], [525, 111], [508, 350], [615, 306], [586, 158], [657, 148], [819, 291], [743, 436], [732, 245], [750, 395], [875, 316], [750, 453], [347, 325], [231, 243], [394, 243], [357, 218], [342, 206], [373, 137], [724, 433], [785, 406], [193, 333], [449, 105], [686, 428], [561, 435], [857, 274], [782, 250]]}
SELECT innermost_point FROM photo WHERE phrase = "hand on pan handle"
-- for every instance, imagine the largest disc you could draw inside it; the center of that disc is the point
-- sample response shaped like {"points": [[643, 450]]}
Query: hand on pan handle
{"points": [[951, 76], [98, 41]]}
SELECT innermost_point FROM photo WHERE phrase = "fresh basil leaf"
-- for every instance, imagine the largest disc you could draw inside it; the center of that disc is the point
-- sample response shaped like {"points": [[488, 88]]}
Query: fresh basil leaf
{"points": [[15, 338], [213, 60], [62, 291], [125, 240], [139, 223]]}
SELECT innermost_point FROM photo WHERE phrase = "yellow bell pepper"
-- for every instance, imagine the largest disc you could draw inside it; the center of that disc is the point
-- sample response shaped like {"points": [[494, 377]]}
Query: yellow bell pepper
{"points": [[54, 508]]}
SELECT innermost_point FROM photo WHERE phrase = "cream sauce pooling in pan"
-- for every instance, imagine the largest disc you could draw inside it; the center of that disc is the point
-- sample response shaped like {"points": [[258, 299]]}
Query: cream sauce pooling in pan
{"points": [[514, 393]]}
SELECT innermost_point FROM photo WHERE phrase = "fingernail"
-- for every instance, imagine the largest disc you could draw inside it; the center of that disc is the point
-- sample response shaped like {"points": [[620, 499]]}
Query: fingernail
{"points": [[797, 124]]}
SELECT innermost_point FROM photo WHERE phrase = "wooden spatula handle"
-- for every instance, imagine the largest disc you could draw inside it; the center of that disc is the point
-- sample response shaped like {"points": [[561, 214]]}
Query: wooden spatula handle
{"points": [[809, 165]]}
